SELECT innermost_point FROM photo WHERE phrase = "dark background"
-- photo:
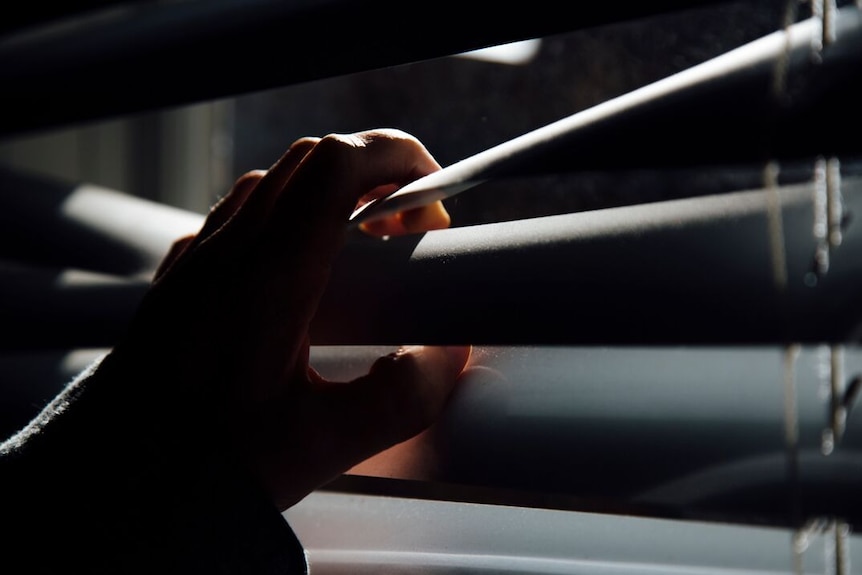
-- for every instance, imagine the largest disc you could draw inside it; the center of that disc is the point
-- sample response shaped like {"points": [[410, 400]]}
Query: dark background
{"points": [[459, 106]]}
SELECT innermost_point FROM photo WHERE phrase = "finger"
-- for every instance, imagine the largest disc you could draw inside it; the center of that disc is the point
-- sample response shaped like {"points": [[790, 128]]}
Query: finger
{"points": [[343, 424], [255, 210], [308, 223], [423, 219], [335, 175], [402, 395], [386, 226], [426, 218], [376, 194], [382, 227], [241, 214], [231, 202], [176, 250], [219, 215]]}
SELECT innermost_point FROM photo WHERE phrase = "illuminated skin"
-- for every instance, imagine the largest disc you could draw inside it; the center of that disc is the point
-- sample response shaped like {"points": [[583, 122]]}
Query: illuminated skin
{"points": [[431, 217]]}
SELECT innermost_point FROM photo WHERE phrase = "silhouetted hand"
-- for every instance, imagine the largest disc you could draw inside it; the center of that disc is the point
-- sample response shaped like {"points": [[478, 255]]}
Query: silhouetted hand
{"points": [[224, 330]]}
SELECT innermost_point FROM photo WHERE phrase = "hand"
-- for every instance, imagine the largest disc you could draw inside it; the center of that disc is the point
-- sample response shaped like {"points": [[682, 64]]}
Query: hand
{"points": [[223, 333]]}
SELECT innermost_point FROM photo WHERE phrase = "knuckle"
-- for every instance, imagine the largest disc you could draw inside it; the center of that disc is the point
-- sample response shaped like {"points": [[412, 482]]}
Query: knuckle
{"points": [[250, 178], [338, 150], [340, 143], [305, 142]]}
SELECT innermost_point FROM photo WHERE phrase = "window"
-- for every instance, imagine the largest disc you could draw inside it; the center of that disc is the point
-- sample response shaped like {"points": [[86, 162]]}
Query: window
{"points": [[665, 366]]}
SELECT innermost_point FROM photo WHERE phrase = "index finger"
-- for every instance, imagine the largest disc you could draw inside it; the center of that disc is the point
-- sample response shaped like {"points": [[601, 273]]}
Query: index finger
{"points": [[417, 220], [325, 188], [308, 222], [312, 212]]}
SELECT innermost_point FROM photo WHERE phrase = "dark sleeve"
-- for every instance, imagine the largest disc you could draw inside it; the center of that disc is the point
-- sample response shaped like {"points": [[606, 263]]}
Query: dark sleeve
{"points": [[230, 526], [72, 502]]}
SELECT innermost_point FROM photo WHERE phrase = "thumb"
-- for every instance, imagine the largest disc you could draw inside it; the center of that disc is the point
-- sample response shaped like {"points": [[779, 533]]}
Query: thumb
{"points": [[339, 425], [402, 395]]}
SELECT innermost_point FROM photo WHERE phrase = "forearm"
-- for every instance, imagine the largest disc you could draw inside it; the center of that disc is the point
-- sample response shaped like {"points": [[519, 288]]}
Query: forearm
{"points": [[82, 491]]}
